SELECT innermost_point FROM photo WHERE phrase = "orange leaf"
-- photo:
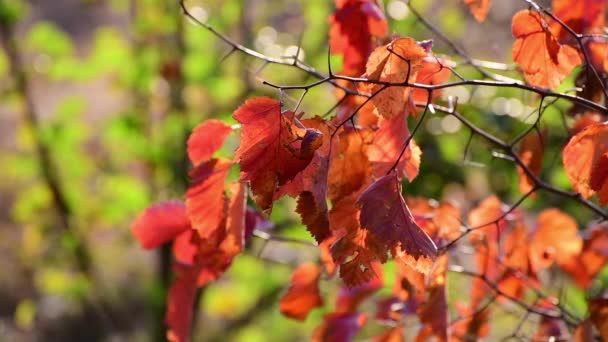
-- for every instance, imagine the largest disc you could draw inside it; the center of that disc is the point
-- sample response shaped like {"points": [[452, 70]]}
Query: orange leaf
{"points": [[593, 257], [303, 294], [584, 159], [544, 62], [160, 223], [397, 62], [479, 8], [387, 146], [391, 225], [206, 139], [555, 239], [205, 198], [434, 71], [582, 16], [349, 298], [351, 30], [531, 152], [235, 221], [271, 153], [349, 168]]}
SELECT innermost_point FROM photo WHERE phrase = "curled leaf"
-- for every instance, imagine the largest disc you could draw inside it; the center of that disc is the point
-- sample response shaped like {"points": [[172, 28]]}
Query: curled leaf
{"points": [[160, 223], [303, 294]]}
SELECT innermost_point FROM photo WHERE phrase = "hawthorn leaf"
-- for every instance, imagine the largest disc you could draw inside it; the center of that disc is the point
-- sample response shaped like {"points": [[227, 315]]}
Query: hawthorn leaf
{"points": [[349, 168], [584, 159], [531, 152], [185, 247], [479, 9], [555, 239], [341, 327], [387, 145], [310, 185], [543, 60], [396, 62], [349, 298], [434, 71], [390, 223], [180, 306], [234, 241], [352, 28], [206, 139], [160, 223], [206, 198], [303, 294], [582, 16], [598, 310], [270, 153], [593, 257]]}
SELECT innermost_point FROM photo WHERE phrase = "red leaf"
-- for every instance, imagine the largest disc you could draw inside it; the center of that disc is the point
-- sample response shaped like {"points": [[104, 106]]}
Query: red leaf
{"points": [[160, 223], [205, 198], [339, 327], [555, 239], [585, 161], [388, 219], [397, 62], [598, 310], [310, 185], [479, 8], [270, 153], [180, 302], [434, 312], [544, 62], [206, 139], [391, 335], [387, 146], [531, 153], [185, 247], [352, 27], [349, 298], [303, 294]]}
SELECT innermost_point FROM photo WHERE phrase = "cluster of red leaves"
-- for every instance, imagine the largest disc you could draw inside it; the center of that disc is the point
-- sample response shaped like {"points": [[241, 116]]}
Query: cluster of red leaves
{"points": [[347, 177]]}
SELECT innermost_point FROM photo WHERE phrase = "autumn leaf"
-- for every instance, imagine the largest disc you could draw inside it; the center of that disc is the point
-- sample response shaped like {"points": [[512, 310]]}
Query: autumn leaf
{"points": [[434, 71], [349, 168], [206, 139], [349, 298], [271, 153], [543, 60], [391, 225], [479, 8], [310, 185], [555, 239], [160, 223], [339, 327], [598, 309], [586, 163], [205, 198], [531, 152], [180, 307], [303, 294], [387, 145], [433, 313], [593, 257], [352, 28], [582, 16], [234, 241], [396, 62]]}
